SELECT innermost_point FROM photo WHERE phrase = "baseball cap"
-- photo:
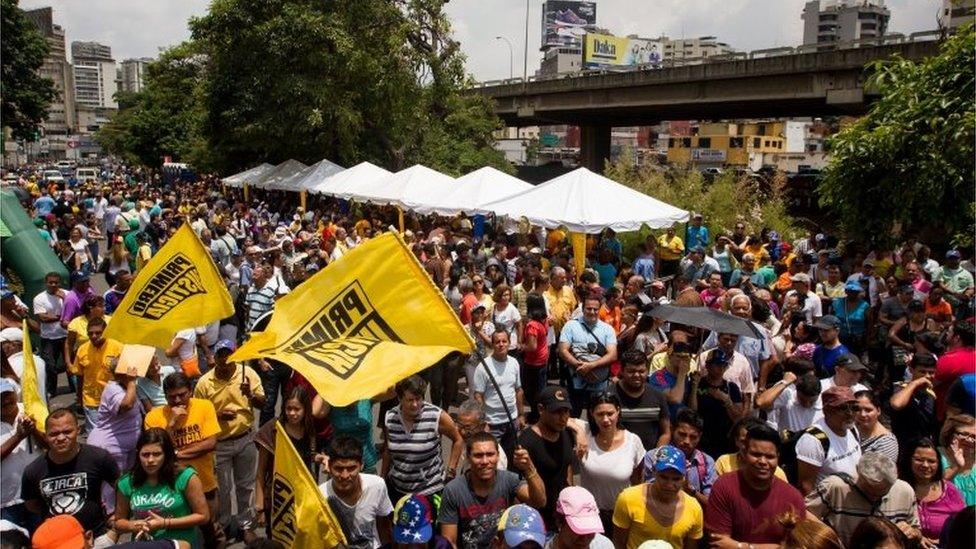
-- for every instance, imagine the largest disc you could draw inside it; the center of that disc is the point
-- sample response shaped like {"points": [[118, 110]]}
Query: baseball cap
{"points": [[480, 306], [7, 385], [851, 362], [774, 236], [657, 284], [717, 357], [853, 287], [225, 345], [800, 277], [252, 250], [79, 276], [554, 397], [837, 395], [827, 322], [11, 334], [868, 263], [667, 457], [59, 532], [535, 250], [953, 254], [579, 507], [6, 293], [521, 523], [697, 250], [413, 520]]}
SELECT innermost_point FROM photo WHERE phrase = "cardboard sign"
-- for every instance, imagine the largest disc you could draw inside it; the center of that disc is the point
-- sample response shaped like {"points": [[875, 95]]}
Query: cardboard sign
{"points": [[135, 355]]}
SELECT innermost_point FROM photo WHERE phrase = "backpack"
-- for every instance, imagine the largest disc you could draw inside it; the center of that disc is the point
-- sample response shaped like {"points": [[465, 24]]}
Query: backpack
{"points": [[787, 450]]}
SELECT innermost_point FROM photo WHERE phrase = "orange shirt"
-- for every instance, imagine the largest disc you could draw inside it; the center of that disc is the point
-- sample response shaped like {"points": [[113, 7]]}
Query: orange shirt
{"points": [[611, 316], [941, 310]]}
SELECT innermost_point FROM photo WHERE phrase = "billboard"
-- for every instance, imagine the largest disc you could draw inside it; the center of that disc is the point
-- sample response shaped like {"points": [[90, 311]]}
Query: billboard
{"points": [[708, 155], [564, 23], [603, 51]]}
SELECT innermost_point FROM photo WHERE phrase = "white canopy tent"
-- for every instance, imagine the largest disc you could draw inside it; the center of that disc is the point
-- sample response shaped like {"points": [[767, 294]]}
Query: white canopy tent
{"points": [[282, 171], [407, 188], [586, 202], [248, 176], [305, 179], [343, 183], [472, 191]]}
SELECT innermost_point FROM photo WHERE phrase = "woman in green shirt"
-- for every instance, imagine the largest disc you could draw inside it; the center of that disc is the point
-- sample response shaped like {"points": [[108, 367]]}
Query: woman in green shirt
{"points": [[158, 499]]}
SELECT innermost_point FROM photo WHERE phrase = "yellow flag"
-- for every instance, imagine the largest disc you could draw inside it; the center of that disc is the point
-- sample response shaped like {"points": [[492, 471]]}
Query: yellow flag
{"points": [[361, 324], [300, 516], [34, 404], [579, 252], [178, 288]]}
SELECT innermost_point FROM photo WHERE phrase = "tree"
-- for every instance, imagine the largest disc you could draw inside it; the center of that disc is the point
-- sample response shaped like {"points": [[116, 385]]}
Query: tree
{"points": [[164, 118], [346, 80], [907, 167], [24, 94]]}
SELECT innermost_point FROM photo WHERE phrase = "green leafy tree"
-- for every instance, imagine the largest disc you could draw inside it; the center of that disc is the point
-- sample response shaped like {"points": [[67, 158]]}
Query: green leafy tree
{"points": [[907, 167], [164, 118], [346, 80], [24, 94]]}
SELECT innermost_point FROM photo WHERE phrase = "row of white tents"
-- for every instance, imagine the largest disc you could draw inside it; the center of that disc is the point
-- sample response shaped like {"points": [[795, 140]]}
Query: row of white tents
{"points": [[581, 201]]}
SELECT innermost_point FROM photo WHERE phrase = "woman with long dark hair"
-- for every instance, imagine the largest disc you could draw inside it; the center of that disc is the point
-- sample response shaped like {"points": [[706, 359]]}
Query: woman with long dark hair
{"points": [[158, 498], [874, 436], [937, 499], [299, 424], [613, 457]]}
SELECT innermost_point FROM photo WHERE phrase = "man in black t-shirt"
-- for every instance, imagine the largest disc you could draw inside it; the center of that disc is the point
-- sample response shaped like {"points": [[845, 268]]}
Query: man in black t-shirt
{"points": [[68, 479], [550, 446], [643, 409], [913, 402], [718, 402]]}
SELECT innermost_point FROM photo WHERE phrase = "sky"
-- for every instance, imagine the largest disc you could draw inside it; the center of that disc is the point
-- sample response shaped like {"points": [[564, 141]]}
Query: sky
{"points": [[138, 28]]}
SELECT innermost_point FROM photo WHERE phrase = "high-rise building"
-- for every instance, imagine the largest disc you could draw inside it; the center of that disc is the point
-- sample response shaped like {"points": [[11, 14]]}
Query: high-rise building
{"points": [[681, 49], [956, 13], [132, 75], [826, 22], [61, 112], [95, 74]]}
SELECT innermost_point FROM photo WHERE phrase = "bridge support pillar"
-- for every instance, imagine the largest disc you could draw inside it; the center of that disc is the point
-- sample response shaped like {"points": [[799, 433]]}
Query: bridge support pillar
{"points": [[594, 146]]}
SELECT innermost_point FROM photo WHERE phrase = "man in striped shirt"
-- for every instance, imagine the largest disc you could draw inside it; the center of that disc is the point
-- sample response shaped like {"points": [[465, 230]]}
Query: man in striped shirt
{"points": [[843, 502], [261, 295]]}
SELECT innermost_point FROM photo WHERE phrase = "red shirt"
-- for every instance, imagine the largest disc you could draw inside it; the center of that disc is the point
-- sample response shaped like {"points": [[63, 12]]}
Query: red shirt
{"points": [[749, 516], [539, 356], [951, 366]]}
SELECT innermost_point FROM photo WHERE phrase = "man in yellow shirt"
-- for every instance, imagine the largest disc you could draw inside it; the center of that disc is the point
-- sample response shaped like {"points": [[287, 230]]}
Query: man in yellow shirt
{"points": [[562, 300], [192, 423], [235, 390], [670, 249], [92, 364]]}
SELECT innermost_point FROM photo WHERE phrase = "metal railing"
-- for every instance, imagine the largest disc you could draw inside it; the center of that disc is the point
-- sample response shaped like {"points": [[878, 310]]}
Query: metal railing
{"points": [[887, 39]]}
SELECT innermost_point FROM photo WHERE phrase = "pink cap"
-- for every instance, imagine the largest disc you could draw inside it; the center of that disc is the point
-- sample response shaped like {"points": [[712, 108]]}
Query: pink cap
{"points": [[579, 508]]}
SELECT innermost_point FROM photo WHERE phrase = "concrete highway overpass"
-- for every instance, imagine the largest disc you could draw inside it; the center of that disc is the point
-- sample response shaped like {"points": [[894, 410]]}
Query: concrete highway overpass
{"points": [[763, 84]]}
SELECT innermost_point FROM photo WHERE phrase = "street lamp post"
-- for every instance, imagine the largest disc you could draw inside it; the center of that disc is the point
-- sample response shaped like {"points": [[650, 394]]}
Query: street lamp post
{"points": [[511, 56]]}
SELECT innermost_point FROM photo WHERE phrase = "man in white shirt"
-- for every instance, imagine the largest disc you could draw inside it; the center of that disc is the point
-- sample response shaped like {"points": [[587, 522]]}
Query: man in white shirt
{"points": [[812, 308], [831, 446], [360, 501], [47, 308], [793, 402], [16, 452]]}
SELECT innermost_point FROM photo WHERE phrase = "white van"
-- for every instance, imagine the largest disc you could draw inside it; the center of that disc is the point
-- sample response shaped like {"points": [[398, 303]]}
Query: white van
{"points": [[86, 174]]}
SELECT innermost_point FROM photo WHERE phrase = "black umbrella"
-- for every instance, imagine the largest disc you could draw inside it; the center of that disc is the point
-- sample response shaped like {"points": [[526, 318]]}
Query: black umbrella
{"points": [[706, 318]]}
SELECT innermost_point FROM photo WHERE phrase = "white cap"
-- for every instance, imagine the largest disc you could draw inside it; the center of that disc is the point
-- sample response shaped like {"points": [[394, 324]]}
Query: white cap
{"points": [[11, 334]]}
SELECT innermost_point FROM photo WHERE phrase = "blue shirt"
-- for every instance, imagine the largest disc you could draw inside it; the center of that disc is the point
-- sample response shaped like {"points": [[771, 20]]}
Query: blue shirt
{"points": [[824, 359], [582, 345], [44, 205], [852, 323], [608, 274], [644, 266], [739, 275], [695, 236]]}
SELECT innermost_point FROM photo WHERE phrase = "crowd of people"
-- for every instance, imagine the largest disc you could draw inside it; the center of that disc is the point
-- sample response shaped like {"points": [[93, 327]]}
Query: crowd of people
{"points": [[581, 420]]}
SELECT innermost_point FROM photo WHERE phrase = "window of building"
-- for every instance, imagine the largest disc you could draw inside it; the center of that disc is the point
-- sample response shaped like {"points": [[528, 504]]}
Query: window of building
{"points": [[767, 143], [704, 142], [756, 142], [735, 142], [685, 141], [670, 142]]}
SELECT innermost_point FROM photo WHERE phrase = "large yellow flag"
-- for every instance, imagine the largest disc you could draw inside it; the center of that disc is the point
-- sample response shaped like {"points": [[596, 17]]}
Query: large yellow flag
{"points": [[366, 321], [300, 516], [34, 404], [179, 288]]}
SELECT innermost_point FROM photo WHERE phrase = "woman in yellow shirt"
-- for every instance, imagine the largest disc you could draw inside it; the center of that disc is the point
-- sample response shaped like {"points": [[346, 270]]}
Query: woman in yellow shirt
{"points": [[730, 462], [661, 509]]}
